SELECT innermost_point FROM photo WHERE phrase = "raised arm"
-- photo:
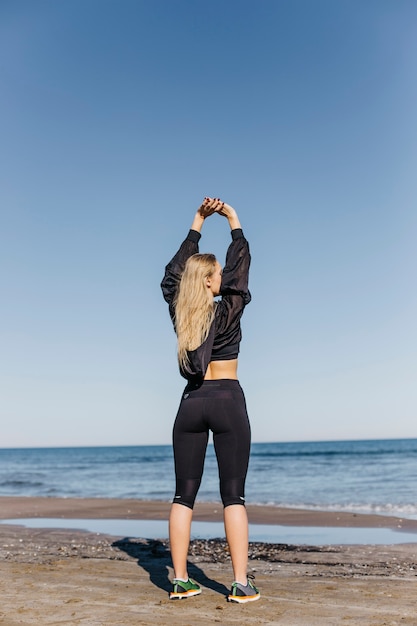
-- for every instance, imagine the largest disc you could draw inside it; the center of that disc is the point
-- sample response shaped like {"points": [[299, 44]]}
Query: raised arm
{"points": [[175, 268], [229, 212], [236, 270], [234, 286]]}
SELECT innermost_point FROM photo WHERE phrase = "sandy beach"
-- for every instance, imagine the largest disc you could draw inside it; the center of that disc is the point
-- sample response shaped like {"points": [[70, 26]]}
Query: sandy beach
{"points": [[56, 576]]}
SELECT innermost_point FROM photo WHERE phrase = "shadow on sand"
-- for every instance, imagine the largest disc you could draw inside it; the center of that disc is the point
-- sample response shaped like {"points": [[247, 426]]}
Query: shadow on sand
{"points": [[154, 557]]}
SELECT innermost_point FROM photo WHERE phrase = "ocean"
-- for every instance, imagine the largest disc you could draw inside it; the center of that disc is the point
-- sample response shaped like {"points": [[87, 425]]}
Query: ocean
{"points": [[376, 476]]}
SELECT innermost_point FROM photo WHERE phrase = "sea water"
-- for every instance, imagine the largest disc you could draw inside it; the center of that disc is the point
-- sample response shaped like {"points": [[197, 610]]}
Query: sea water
{"points": [[376, 476]]}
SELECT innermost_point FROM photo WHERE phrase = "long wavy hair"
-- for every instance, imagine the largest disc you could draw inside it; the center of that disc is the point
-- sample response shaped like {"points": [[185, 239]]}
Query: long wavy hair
{"points": [[194, 305]]}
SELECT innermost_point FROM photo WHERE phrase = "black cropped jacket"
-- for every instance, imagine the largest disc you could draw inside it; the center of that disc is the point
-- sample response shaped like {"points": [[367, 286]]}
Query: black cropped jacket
{"points": [[225, 333]]}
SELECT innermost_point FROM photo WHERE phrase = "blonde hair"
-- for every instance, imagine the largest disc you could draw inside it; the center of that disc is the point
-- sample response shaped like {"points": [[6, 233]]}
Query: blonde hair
{"points": [[194, 305]]}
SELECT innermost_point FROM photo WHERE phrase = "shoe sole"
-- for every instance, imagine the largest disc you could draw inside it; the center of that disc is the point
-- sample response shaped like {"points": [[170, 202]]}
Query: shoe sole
{"points": [[185, 594], [244, 599]]}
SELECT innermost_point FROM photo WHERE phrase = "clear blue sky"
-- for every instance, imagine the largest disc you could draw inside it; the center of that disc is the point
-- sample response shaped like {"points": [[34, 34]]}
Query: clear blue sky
{"points": [[116, 119]]}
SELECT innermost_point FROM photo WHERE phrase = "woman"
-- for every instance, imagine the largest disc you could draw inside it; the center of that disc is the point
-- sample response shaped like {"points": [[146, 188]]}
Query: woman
{"points": [[209, 335]]}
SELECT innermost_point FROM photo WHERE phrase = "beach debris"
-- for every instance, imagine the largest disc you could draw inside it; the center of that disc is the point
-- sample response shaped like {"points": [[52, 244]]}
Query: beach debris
{"points": [[46, 546]]}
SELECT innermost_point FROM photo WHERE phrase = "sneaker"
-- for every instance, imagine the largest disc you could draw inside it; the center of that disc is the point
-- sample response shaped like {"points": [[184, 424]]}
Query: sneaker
{"points": [[243, 593], [181, 589]]}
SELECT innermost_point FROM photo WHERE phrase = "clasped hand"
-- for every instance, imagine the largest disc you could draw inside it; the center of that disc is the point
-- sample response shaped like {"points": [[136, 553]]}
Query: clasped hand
{"points": [[215, 205]]}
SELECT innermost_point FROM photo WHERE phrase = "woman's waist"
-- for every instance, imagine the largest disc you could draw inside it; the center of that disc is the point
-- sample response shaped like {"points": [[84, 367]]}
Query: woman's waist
{"points": [[217, 370], [212, 388]]}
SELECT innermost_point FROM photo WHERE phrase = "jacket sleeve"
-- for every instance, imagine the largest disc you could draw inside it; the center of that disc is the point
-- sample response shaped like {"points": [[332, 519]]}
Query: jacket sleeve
{"points": [[234, 286], [175, 268]]}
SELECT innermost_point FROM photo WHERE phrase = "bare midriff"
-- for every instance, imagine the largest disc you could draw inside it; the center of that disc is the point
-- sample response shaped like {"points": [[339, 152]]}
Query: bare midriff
{"points": [[221, 369]]}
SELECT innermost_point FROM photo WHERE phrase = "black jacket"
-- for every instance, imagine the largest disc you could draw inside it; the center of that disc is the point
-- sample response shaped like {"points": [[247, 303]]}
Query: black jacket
{"points": [[225, 333]]}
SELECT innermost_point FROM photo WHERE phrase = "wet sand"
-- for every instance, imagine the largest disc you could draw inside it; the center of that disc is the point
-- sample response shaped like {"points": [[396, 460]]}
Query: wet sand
{"points": [[50, 576], [112, 508]]}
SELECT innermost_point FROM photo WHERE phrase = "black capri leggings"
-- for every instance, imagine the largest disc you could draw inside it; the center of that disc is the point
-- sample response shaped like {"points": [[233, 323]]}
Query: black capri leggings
{"points": [[219, 406]]}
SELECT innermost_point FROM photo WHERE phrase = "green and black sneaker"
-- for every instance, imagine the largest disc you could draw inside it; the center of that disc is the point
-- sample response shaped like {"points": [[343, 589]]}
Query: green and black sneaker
{"points": [[182, 589], [243, 593]]}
